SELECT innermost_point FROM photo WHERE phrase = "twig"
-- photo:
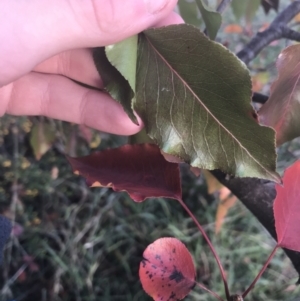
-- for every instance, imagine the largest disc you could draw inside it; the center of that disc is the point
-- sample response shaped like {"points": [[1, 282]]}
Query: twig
{"points": [[209, 291], [251, 286], [258, 196], [277, 30], [223, 5], [290, 34], [216, 256], [259, 98]]}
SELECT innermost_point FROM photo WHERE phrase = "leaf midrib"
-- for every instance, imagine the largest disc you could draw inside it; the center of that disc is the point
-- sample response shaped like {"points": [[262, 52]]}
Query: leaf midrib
{"points": [[205, 107]]}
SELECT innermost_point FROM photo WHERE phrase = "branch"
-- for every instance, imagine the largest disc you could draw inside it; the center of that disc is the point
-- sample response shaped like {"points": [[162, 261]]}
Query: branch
{"points": [[277, 30], [259, 98], [223, 5], [258, 196], [290, 34]]}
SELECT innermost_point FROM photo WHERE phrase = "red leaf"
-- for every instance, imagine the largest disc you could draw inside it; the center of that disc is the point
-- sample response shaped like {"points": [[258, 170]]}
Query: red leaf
{"points": [[282, 110], [139, 169], [167, 271], [287, 209]]}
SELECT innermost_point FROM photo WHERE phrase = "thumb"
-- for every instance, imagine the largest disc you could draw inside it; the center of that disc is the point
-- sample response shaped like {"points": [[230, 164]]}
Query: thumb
{"points": [[116, 20], [34, 30]]}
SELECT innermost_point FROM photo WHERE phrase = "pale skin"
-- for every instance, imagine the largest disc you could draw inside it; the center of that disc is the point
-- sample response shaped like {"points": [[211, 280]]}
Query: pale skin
{"points": [[44, 44]]}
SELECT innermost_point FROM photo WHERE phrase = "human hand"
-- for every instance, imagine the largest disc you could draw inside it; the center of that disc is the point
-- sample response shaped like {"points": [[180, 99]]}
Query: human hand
{"points": [[45, 44]]}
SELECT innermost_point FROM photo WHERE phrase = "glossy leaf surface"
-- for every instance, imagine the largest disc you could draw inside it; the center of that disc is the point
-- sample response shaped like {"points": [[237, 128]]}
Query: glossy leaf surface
{"points": [[139, 169], [282, 110], [287, 209], [194, 98], [167, 271]]}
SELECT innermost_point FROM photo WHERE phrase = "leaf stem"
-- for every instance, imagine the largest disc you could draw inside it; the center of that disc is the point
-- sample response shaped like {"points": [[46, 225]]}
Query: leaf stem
{"points": [[251, 286], [210, 246], [202, 286]]}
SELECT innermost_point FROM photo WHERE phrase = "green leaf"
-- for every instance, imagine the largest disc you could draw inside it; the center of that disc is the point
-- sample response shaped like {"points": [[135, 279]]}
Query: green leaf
{"points": [[123, 56], [116, 65], [42, 137], [212, 19], [189, 12], [251, 9], [282, 110], [194, 98], [245, 8], [238, 8]]}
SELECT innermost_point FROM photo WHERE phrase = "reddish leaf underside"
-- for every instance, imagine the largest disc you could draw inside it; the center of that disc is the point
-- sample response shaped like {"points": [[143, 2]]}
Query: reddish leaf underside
{"points": [[282, 110], [287, 209], [139, 169], [167, 271]]}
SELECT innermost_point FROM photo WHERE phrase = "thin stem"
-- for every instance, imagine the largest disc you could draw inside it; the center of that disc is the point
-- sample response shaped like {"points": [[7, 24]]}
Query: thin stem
{"points": [[278, 29], [210, 246], [223, 5], [202, 286], [259, 98], [260, 272]]}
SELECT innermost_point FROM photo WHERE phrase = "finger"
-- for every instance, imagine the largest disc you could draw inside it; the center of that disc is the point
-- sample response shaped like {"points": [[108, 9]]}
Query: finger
{"points": [[78, 64], [46, 28], [172, 18], [58, 97]]}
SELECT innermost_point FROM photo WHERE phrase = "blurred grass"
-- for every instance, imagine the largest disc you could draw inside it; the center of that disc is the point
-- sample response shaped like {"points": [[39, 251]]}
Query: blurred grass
{"points": [[74, 243]]}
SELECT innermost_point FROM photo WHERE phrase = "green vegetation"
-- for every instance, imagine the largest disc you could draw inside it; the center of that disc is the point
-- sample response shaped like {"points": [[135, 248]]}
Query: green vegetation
{"points": [[75, 243]]}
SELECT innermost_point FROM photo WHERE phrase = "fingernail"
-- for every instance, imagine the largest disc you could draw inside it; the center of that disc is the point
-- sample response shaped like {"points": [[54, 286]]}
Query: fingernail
{"points": [[155, 6]]}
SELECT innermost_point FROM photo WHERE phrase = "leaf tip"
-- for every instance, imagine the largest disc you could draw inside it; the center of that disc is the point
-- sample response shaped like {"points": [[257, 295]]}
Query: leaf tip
{"points": [[277, 178]]}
